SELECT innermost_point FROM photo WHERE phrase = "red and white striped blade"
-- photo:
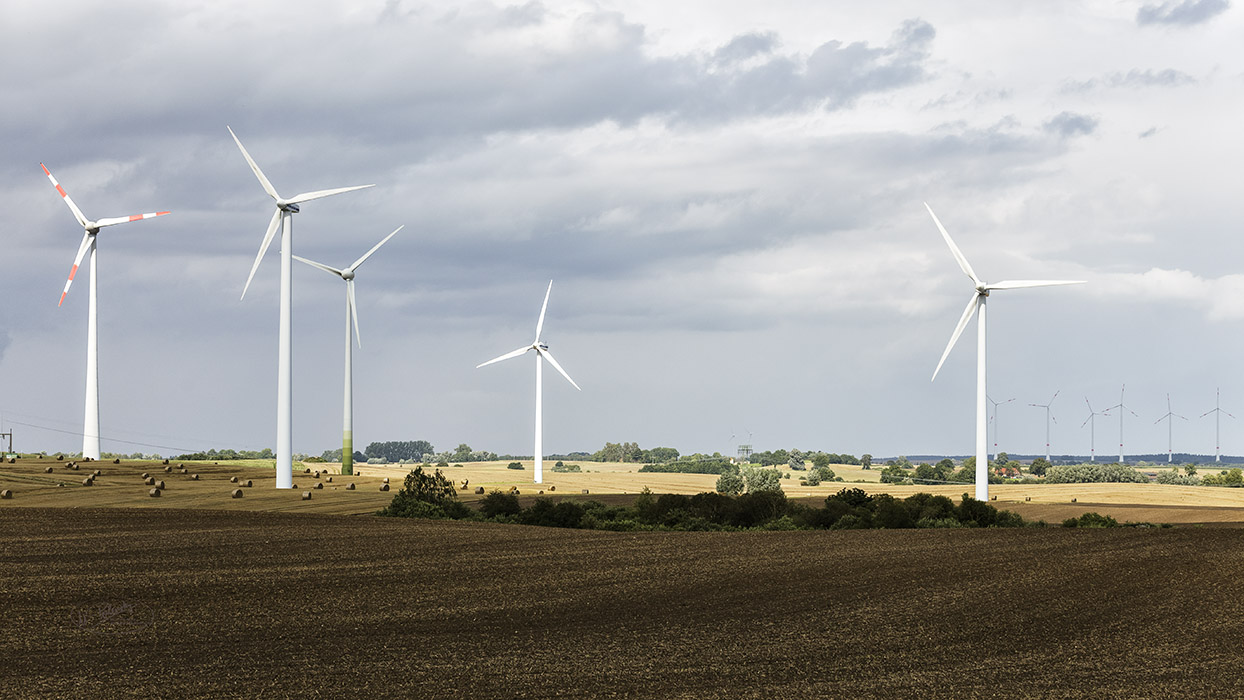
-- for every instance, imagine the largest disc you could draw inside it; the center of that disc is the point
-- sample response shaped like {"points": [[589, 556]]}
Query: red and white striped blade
{"points": [[87, 241], [113, 221], [77, 213]]}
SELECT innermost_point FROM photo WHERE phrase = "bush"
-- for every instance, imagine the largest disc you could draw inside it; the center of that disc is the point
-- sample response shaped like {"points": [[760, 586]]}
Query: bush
{"points": [[561, 467], [731, 483], [1091, 520], [758, 480], [813, 478], [692, 466], [1093, 473], [514, 465], [498, 504], [426, 496], [1174, 478]]}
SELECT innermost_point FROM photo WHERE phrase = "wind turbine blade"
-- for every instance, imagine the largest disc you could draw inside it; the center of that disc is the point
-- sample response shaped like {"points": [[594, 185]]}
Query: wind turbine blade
{"points": [[1023, 284], [963, 262], [267, 186], [374, 248], [954, 337], [113, 221], [549, 356], [321, 266], [308, 196], [77, 213], [85, 246], [506, 356], [354, 311], [263, 247], [540, 323]]}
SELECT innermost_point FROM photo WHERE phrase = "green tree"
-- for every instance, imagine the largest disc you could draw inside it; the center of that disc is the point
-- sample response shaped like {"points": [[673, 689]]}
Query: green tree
{"points": [[1039, 466], [731, 483], [866, 461], [820, 459], [759, 480], [1190, 469]]}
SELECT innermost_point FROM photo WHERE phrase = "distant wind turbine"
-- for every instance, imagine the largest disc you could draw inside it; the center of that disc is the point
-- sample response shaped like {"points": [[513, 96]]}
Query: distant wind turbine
{"points": [[352, 319], [90, 426], [1092, 424], [542, 353], [1048, 417], [1170, 415], [977, 303], [284, 218], [1121, 408], [996, 404], [1217, 420]]}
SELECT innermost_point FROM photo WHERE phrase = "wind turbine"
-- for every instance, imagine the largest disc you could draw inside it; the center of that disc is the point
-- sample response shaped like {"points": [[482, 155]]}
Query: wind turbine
{"points": [[979, 296], [352, 319], [90, 426], [283, 217], [542, 353], [1092, 424], [1217, 419], [1168, 418], [1121, 408], [996, 404], [1049, 417]]}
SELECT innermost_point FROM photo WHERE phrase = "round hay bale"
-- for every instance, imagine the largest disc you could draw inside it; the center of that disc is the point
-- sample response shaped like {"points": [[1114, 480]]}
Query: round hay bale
{"points": [[237, 493], [145, 475], [293, 486], [194, 477], [12, 460], [73, 466], [384, 487], [159, 484], [183, 470], [1073, 500], [48, 470], [248, 483], [59, 457], [97, 473], [307, 470], [154, 493], [584, 491], [386, 480], [552, 488], [317, 475], [167, 470], [993, 498], [1027, 498], [539, 493], [233, 480], [6, 494], [306, 495], [150, 481], [350, 487], [116, 461], [166, 461], [329, 479], [319, 486], [479, 490]]}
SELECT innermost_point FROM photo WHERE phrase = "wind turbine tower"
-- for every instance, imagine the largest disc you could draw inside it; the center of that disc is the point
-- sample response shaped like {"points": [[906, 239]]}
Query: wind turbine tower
{"points": [[1170, 415], [1092, 424], [1121, 408], [1217, 420], [352, 319], [980, 295], [996, 404], [542, 353], [283, 217], [1048, 417], [90, 424]]}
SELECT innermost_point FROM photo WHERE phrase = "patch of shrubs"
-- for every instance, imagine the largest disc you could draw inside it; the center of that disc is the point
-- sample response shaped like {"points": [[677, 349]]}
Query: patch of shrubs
{"points": [[562, 467], [1093, 473], [1097, 520], [514, 465], [433, 496], [692, 466]]}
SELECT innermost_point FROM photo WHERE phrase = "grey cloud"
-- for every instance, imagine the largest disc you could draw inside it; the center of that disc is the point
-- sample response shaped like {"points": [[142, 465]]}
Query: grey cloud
{"points": [[1132, 79], [1068, 124], [744, 47], [1187, 12], [1147, 132]]}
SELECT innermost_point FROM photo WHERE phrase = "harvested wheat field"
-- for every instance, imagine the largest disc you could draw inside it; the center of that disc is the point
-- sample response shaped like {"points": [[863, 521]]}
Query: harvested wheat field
{"points": [[115, 602]]}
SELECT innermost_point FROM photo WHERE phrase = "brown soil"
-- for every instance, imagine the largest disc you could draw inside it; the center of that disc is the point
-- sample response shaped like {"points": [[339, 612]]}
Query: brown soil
{"points": [[116, 602]]}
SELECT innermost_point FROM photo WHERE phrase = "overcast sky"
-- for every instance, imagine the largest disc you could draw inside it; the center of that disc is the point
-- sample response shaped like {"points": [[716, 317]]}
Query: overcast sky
{"points": [[727, 195]]}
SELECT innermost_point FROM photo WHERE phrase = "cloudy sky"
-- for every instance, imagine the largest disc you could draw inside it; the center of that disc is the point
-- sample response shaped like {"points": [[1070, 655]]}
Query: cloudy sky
{"points": [[728, 196]]}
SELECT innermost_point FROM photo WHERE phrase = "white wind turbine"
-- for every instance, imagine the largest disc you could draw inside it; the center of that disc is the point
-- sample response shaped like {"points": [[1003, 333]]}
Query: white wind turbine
{"points": [[996, 404], [1048, 417], [977, 302], [352, 319], [1169, 418], [1217, 420], [1121, 408], [542, 352], [1092, 424], [283, 217], [90, 426]]}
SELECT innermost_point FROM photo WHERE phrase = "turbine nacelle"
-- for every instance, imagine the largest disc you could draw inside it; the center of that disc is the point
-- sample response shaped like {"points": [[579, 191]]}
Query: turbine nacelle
{"points": [[347, 275], [291, 207]]}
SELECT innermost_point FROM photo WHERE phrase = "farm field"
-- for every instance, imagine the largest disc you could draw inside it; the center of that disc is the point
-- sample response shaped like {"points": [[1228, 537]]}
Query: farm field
{"points": [[121, 485], [112, 602]]}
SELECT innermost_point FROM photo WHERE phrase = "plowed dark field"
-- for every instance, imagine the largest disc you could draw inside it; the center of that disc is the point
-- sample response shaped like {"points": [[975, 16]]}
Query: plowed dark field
{"points": [[101, 603]]}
